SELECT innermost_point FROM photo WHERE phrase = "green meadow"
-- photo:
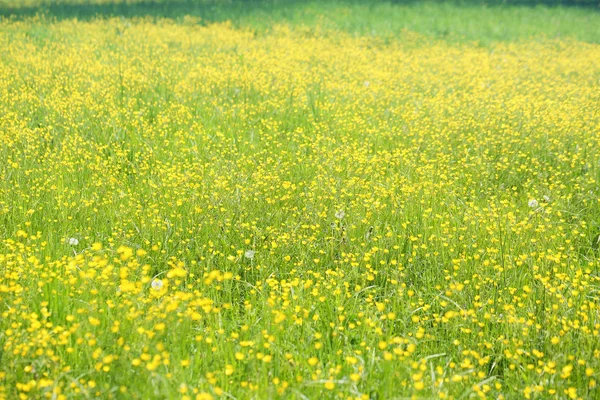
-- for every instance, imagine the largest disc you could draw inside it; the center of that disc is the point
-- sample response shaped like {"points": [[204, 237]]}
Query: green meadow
{"points": [[306, 200]]}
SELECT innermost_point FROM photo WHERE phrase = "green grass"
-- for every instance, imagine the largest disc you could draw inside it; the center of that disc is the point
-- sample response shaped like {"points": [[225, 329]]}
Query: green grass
{"points": [[467, 21]]}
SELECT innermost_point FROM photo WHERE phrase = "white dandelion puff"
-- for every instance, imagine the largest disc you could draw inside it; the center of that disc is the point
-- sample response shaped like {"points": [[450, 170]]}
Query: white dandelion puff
{"points": [[340, 214], [533, 203], [249, 254], [157, 284], [73, 241]]}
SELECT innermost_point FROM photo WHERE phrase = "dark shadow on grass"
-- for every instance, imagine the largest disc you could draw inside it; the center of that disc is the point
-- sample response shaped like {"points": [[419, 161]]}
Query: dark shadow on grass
{"points": [[221, 10], [206, 9], [587, 4]]}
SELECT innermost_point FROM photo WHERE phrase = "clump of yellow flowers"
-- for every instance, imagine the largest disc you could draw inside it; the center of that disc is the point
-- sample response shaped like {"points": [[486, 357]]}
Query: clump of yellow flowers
{"points": [[206, 211]]}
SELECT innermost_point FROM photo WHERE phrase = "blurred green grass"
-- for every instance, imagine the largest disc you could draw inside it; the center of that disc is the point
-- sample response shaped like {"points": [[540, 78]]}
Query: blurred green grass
{"points": [[474, 21]]}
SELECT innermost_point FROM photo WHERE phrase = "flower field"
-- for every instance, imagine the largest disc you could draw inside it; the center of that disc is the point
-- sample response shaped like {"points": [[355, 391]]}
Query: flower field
{"points": [[214, 209]]}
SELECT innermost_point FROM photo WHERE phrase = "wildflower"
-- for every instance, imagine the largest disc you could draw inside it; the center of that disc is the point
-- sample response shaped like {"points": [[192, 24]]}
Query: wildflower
{"points": [[566, 371], [249, 254], [340, 214], [73, 241]]}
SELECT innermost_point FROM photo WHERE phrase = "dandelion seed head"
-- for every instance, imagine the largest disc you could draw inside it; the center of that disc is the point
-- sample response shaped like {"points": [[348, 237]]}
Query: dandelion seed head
{"points": [[533, 203], [157, 284]]}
